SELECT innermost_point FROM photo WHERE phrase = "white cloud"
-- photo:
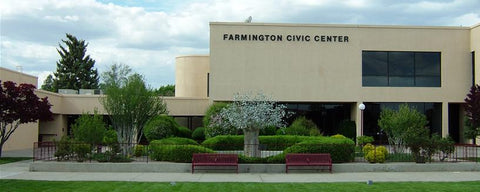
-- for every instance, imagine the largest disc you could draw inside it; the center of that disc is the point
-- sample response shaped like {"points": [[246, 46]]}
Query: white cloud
{"points": [[147, 35]]}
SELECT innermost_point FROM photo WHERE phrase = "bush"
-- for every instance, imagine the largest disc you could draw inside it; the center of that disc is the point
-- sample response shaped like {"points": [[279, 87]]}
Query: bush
{"points": [[160, 127], [140, 150], [199, 134], [338, 136], [89, 129], [235, 142], [375, 154], [176, 153], [64, 149], [301, 126], [174, 141], [269, 130], [110, 157], [348, 129], [362, 140], [110, 137], [341, 150], [81, 150], [367, 148], [224, 142], [184, 132]]}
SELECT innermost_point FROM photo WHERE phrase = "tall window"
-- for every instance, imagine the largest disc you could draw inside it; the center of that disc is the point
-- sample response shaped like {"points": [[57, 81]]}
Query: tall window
{"points": [[400, 69]]}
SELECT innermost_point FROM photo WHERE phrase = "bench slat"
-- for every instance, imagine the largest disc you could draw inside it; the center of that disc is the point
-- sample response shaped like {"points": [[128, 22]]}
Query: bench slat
{"points": [[308, 159], [214, 159]]}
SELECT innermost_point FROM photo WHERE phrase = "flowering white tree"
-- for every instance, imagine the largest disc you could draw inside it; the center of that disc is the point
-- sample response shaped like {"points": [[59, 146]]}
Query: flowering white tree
{"points": [[250, 114]]}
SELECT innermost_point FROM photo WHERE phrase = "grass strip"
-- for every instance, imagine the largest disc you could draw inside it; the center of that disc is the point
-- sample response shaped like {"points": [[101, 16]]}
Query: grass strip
{"points": [[5, 160], [99, 186]]}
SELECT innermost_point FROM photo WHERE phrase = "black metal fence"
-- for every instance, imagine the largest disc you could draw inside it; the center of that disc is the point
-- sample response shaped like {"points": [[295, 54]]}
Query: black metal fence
{"points": [[50, 151]]}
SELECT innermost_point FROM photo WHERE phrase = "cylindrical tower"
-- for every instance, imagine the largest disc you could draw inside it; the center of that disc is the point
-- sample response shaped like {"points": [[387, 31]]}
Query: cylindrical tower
{"points": [[191, 76]]}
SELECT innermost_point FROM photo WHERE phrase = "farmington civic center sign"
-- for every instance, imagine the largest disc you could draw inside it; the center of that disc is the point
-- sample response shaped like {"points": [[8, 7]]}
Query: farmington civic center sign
{"points": [[290, 38]]}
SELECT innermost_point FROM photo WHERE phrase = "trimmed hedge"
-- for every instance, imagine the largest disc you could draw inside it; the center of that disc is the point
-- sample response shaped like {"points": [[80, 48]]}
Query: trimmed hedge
{"points": [[198, 133], [176, 149], [174, 141], [341, 150], [177, 153], [272, 143], [184, 132], [160, 127], [224, 142]]}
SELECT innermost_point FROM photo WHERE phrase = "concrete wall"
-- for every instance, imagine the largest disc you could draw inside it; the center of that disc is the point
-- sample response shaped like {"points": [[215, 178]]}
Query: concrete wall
{"points": [[17, 77], [24, 132], [191, 76], [475, 46], [331, 71], [311, 71], [53, 130]]}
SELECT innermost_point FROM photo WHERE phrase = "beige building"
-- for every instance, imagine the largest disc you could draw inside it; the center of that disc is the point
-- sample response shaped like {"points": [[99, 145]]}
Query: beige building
{"points": [[323, 72]]}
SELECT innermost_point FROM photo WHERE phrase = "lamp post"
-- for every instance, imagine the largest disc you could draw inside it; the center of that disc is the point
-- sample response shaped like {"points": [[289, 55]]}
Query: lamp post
{"points": [[361, 107]]}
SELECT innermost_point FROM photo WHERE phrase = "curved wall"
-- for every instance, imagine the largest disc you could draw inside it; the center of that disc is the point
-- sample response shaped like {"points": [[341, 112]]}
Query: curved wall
{"points": [[191, 76]]}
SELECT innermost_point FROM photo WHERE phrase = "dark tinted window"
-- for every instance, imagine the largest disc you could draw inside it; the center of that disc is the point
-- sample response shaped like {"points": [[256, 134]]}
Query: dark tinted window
{"points": [[375, 63], [401, 69], [401, 63]]}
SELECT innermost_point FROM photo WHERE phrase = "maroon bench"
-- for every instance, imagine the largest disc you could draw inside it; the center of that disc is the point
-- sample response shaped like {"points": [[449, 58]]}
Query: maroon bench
{"points": [[214, 159], [308, 159]]}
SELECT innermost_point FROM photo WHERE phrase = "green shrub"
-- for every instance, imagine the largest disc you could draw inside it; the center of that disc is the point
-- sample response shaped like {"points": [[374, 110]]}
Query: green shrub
{"points": [[160, 127], [81, 150], [64, 148], [176, 153], [269, 130], [89, 129], [367, 148], [174, 141], [301, 126], [140, 150], [110, 137], [110, 157], [377, 155], [199, 134], [224, 142], [362, 140], [184, 132], [383, 150], [341, 150], [338, 136], [281, 142], [348, 129], [272, 143]]}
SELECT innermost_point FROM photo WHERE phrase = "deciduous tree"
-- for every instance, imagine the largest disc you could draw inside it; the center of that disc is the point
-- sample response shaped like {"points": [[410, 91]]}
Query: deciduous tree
{"points": [[19, 105], [250, 114], [130, 107], [472, 109]]}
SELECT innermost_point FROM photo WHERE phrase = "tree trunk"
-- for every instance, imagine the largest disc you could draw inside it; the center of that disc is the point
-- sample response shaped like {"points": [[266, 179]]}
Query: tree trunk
{"points": [[251, 143], [1, 148]]}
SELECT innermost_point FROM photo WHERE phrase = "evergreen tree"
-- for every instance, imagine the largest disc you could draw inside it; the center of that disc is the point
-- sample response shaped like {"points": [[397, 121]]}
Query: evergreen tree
{"points": [[48, 84], [75, 68]]}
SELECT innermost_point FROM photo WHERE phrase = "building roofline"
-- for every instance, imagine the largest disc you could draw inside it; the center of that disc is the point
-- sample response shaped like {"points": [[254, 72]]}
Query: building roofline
{"points": [[193, 55], [343, 25], [18, 72]]}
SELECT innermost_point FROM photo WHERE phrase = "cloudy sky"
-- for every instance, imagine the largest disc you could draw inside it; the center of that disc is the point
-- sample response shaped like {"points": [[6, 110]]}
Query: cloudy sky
{"points": [[147, 35]]}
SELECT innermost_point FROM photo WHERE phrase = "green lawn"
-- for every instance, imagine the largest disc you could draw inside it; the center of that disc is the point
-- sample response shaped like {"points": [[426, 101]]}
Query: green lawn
{"points": [[51, 186], [5, 160]]}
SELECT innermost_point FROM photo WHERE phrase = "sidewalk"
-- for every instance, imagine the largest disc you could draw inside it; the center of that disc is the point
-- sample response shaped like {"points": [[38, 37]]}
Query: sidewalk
{"points": [[20, 170]]}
